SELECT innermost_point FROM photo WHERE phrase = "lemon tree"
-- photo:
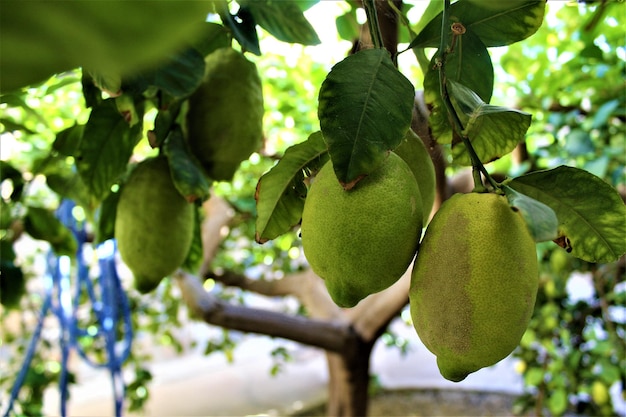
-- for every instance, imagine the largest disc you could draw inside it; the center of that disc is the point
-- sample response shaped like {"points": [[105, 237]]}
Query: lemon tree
{"points": [[324, 170]]}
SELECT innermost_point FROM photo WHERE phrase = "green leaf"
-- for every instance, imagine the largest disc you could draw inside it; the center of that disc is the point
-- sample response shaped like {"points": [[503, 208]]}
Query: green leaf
{"points": [[496, 23], [9, 172], [211, 36], [493, 131], [280, 192], [63, 179], [468, 64], [195, 256], [67, 141], [105, 226], [119, 37], [42, 224], [282, 19], [180, 75], [12, 126], [557, 401], [187, 176], [365, 108], [102, 158], [540, 219], [12, 284], [243, 29], [592, 215], [348, 26]]}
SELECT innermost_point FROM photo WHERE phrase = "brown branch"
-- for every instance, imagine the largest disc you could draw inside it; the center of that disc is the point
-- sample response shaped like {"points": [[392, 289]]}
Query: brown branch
{"points": [[328, 335], [307, 287]]}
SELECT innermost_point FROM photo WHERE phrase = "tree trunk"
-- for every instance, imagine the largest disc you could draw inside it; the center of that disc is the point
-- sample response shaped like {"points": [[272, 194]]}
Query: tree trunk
{"points": [[349, 377]]}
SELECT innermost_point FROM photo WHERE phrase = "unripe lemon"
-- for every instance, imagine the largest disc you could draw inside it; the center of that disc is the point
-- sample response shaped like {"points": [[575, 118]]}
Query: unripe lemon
{"points": [[361, 241], [225, 115], [153, 224], [474, 283], [415, 154]]}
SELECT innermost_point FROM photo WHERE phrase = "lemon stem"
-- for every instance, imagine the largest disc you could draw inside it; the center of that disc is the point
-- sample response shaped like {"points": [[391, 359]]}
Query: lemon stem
{"points": [[477, 166], [372, 22]]}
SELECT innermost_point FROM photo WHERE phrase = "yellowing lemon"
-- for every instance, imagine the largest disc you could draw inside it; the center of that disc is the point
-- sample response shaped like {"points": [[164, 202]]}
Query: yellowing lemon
{"points": [[474, 283]]}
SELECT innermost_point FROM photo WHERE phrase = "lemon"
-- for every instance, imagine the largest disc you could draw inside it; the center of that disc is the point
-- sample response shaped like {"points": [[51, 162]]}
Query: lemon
{"points": [[225, 115], [474, 283], [153, 224], [415, 154], [361, 241]]}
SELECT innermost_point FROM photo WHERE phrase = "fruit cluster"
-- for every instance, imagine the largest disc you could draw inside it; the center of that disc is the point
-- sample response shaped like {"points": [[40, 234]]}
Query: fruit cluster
{"points": [[474, 279]]}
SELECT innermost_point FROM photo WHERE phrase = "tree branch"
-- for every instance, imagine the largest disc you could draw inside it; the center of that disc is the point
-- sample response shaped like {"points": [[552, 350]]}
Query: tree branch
{"points": [[307, 287], [333, 335]]}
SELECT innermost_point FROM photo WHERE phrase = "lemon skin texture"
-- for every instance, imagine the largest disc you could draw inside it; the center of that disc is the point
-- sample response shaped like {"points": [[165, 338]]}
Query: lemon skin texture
{"points": [[474, 283], [225, 114], [153, 224], [361, 241]]}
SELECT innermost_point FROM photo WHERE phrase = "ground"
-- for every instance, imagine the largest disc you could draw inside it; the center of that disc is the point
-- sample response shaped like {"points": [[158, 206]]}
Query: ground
{"points": [[418, 403]]}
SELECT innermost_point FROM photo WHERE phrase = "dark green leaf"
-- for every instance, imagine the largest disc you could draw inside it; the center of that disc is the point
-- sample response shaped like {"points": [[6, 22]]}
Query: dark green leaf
{"points": [[105, 228], [592, 215], [163, 124], [212, 36], [65, 181], [67, 142], [186, 174], [12, 126], [180, 75], [468, 64], [12, 284], [196, 254], [496, 23], [280, 192], [108, 142], [121, 37], [243, 29], [540, 219], [9, 172], [365, 109], [42, 224], [283, 20], [493, 131]]}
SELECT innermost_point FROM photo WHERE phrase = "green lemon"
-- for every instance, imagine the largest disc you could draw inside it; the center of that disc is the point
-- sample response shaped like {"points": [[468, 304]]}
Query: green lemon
{"points": [[225, 115], [415, 154], [153, 224], [361, 241], [474, 283]]}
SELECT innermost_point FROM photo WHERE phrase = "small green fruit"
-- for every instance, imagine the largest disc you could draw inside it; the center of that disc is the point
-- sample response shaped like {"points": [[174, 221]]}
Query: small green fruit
{"points": [[225, 116], [474, 283], [361, 241], [153, 224]]}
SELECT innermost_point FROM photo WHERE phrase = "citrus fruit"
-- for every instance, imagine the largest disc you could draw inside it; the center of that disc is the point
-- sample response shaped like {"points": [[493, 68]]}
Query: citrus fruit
{"points": [[413, 151], [361, 241], [474, 283], [225, 115], [153, 224]]}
